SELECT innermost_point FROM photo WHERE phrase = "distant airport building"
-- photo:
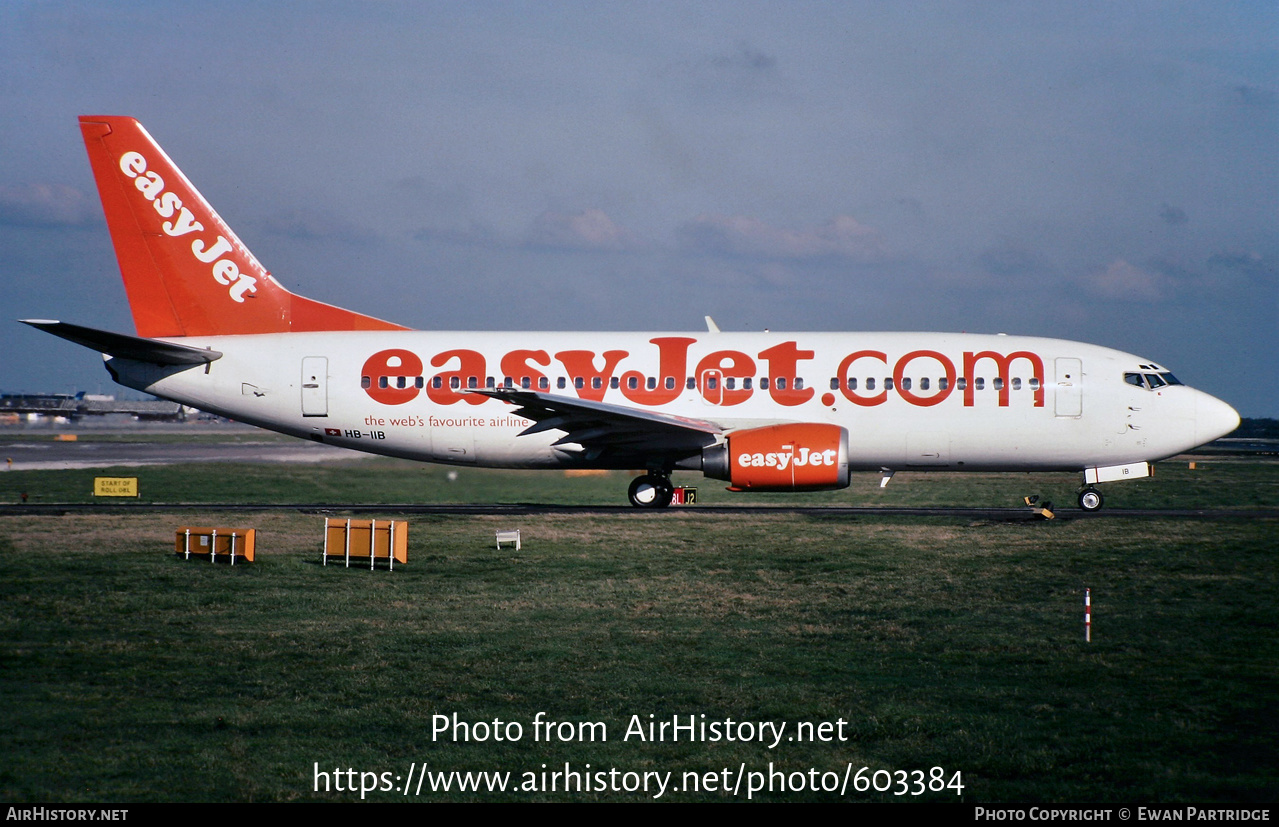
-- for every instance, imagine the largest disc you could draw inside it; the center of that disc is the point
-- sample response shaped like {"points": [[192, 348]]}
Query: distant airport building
{"points": [[68, 406]]}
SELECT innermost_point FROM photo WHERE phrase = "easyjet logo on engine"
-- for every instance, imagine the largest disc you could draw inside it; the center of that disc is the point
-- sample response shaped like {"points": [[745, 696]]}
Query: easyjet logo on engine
{"points": [[781, 461], [168, 204], [788, 457], [722, 377]]}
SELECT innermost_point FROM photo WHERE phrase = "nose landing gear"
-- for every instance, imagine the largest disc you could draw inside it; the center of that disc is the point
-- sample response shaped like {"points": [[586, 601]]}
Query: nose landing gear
{"points": [[1090, 499]]}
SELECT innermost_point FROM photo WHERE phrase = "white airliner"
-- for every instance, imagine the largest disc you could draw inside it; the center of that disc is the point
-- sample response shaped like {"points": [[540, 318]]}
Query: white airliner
{"points": [[764, 411]]}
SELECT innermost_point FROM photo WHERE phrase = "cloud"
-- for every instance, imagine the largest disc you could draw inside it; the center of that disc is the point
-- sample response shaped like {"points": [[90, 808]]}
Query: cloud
{"points": [[739, 235], [587, 230], [1244, 270], [47, 205], [1248, 261], [474, 234], [746, 59], [1173, 215], [1255, 96], [1127, 282], [729, 78], [308, 225], [1011, 262]]}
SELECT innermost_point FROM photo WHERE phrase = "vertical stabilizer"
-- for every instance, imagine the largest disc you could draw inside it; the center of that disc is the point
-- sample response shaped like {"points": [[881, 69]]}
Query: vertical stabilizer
{"points": [[185, 272]]}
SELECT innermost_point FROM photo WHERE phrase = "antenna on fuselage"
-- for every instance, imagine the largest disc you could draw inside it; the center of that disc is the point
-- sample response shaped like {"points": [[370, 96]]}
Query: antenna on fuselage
{"points": [[711, 327]]}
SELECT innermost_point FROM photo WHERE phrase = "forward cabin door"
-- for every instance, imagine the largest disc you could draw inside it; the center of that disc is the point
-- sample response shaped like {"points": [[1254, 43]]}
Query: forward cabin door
{"points": [[1069, 391], [315, 386]]}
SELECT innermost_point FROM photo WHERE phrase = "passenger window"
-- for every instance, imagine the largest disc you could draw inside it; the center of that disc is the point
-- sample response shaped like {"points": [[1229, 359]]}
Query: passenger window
{"points": [[596, 383], [943, 383], [781, 383], [526, 382], [999, 383], [366, 381], [579, 382], [651, 384], [1016, 383], [472, 382], [437, 382], [961, 383], [763, 383], [1034, 383], [691, 383], [834, 384], [870, 383], [381, 382], [888, 383], [979, 383], [923, 383], [561, 383], [543, 383], [632, 382], [670, 383], [852, 383], [799, 383], [455, 382], [747, 382], [906, 383], [419, 382]]}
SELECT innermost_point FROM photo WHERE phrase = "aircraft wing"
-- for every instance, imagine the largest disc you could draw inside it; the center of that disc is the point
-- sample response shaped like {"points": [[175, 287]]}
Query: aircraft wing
{"points": [[126, 347], [613, 433]]}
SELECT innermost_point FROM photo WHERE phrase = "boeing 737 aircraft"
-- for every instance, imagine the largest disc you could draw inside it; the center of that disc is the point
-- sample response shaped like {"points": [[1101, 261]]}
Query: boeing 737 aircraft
{"points": [[763, 411]]}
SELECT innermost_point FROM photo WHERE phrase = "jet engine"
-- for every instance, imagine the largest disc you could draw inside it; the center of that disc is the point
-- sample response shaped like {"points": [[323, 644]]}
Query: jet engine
{"points": [[795, 457]]}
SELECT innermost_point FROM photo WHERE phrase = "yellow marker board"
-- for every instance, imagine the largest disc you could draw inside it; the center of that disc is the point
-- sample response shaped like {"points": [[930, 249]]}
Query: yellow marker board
{"points": [[115, 486]]}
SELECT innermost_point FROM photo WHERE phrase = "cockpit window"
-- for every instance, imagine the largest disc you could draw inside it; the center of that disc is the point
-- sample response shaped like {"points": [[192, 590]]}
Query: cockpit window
{"points": [[1151, 381]]}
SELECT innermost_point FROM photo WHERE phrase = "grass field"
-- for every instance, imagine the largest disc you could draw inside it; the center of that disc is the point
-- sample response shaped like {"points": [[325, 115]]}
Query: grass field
{"points": [[1214, 483], [129, 674]]}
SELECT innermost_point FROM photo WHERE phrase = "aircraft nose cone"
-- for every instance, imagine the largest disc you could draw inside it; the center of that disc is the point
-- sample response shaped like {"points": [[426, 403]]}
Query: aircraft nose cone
{"points": [[1213, 419]]}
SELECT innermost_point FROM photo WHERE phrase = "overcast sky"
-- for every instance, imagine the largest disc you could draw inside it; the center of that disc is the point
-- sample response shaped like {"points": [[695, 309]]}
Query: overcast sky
{"points": [[1104, 172]]}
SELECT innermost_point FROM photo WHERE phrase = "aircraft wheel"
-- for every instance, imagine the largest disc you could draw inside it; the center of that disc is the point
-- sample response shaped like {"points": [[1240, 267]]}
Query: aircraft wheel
{"points": [[1090, 499], [651, 491]]}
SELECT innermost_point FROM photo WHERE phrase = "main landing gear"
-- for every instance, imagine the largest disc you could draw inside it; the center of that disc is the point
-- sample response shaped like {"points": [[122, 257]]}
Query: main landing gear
{"points": [[1090, 499], [652, 490]]}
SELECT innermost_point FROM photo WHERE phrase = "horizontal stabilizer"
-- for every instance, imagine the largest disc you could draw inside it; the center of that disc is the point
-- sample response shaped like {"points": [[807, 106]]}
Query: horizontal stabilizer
{"points": [[126, 347]]}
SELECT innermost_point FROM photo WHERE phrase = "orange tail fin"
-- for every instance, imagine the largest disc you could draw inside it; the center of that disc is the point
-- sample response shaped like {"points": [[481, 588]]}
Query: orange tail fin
{"points": [[185, 272]]}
